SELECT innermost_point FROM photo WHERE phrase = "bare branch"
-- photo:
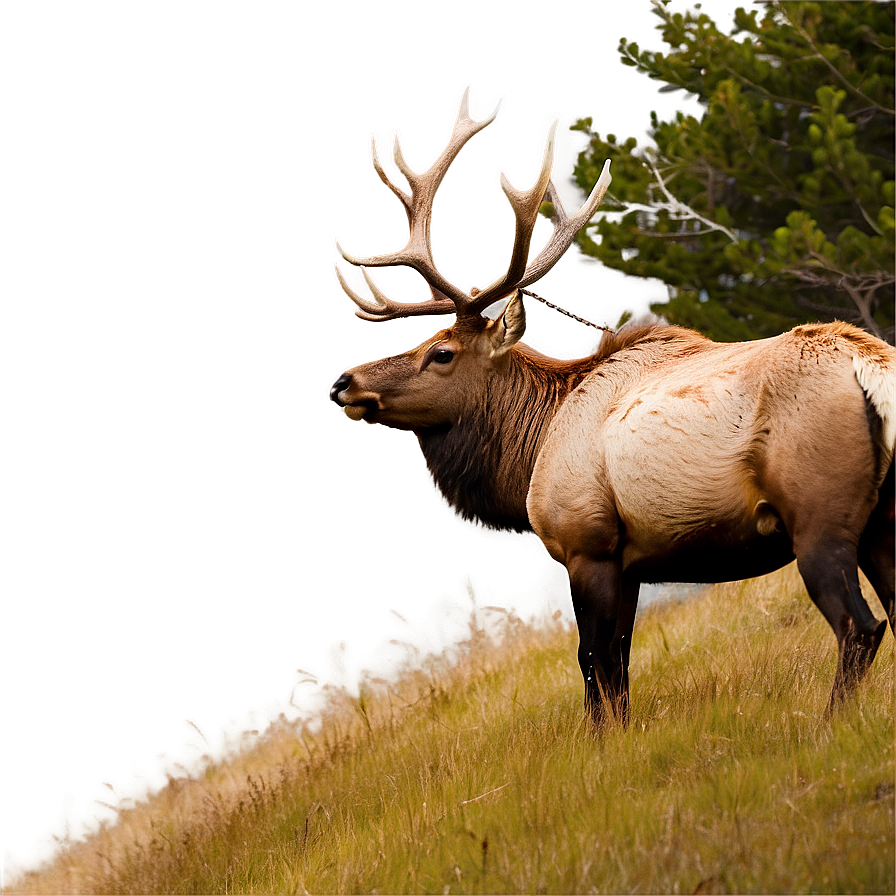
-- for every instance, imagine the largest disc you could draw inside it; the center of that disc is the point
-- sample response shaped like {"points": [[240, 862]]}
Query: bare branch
{"points": [[677, 207], [860, 288]]}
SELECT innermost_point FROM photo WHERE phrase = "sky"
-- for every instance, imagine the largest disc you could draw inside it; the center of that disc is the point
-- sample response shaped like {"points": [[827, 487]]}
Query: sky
{"points": [[192, 533]]}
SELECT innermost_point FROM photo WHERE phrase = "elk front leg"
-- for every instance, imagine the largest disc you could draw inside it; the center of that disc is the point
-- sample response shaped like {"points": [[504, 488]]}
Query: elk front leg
{"points": [[604, 601]]}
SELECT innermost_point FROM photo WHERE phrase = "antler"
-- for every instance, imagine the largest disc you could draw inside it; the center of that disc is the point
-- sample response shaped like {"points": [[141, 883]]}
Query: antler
{"points": [[417, 253]]}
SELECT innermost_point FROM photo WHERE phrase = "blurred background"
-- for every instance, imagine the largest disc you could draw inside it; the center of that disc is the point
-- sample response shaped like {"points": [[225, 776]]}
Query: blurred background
{"points": [[194, 538]]}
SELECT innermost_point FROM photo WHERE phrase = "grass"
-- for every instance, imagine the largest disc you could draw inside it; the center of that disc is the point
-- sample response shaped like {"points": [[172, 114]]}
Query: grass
{"points": [[474, 772]]}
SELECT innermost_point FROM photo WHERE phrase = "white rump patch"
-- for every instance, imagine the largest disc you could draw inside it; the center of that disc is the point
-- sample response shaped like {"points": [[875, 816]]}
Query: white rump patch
{"points": [[879, 384]]}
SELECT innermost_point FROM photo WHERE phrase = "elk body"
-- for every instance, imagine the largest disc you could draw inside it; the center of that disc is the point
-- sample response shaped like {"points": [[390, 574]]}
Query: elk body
{"points": [[663, 457]]}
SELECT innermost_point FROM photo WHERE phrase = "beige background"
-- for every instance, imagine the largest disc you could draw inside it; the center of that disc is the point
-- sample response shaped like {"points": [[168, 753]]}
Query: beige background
{"points": [[186, 518]]}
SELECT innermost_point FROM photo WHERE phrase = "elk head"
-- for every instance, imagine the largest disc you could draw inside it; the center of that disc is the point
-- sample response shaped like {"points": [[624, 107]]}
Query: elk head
{"points": [[432, 385]]}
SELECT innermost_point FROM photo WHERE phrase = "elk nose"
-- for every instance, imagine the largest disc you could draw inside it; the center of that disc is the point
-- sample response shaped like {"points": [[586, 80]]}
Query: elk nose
{"points": [[342, 383]]}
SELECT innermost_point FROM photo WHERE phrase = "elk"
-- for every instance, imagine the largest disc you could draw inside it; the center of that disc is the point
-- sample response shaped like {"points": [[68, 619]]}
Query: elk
{"points": [[662, 457]]}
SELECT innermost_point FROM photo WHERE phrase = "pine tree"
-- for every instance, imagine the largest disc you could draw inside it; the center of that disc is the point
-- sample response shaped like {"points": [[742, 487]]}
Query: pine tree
{"points": [[775, 206]]}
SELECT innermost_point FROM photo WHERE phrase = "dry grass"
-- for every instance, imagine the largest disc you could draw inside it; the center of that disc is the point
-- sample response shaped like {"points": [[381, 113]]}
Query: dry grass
{"points": [[474, 773]]}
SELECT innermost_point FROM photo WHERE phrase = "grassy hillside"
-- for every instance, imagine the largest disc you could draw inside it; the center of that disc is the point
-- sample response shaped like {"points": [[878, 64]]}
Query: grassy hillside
{"points": [[475, 773]]}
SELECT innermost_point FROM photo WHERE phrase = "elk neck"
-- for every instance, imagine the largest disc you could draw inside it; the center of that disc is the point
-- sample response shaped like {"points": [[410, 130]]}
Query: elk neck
{"points": [[483, 463]]}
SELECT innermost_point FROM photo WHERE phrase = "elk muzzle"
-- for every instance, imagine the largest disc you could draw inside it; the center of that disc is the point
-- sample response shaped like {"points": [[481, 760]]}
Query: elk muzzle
{"points": [[339, 386], [355, 406]]}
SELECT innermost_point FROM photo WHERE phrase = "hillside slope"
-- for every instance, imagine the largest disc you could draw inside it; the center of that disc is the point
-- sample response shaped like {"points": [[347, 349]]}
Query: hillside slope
{"points": [[474, 773]]}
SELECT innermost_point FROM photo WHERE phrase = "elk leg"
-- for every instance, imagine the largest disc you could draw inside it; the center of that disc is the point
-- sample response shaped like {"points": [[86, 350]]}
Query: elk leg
{"points": [[876, 549], [605, 612], [876, 561], [621, 645], [830, 573]]}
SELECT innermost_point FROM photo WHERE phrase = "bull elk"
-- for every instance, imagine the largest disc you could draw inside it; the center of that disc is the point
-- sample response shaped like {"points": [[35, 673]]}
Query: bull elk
{"points": [[662, 457]]}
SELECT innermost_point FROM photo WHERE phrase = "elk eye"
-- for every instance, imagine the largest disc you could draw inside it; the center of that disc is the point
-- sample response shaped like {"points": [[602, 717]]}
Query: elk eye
{"points": [[443, 356]]}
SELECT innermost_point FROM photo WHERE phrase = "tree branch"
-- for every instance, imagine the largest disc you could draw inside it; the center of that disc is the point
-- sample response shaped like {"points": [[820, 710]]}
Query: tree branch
{"points": [[836, 72], [860, 288], [688, 212]]}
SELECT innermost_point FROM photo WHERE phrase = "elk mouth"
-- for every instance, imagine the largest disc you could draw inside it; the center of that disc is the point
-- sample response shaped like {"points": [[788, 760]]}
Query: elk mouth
{"points": [[356, 411]]}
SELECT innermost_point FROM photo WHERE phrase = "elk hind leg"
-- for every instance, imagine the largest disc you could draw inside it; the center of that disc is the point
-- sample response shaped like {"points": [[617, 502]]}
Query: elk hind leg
{"points": [[877, 549], [830, 572], [604, 602]]}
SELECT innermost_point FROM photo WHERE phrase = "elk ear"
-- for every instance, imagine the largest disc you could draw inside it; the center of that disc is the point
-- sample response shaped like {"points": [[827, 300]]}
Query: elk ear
{"points": [[508, 328]]}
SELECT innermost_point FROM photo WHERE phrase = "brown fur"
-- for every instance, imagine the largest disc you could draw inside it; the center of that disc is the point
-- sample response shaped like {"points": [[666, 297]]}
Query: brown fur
{"points": [[483, 464], [661, 457]]}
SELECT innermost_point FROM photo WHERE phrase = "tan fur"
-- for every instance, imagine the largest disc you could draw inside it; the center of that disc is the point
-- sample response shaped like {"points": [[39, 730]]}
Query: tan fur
{"points": [[662, 457], [682, 435]]}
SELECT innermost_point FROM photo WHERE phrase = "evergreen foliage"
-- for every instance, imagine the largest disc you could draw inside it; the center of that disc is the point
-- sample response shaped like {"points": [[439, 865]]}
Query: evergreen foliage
{"points": [[775, 206]]}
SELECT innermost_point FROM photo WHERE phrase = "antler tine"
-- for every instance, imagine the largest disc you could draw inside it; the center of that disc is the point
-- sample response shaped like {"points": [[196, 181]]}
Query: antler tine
{"points": [[384, 308], [378, 167], [525, 204], [465, 126], [372, 261], [417, 253], [565, 227]]}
